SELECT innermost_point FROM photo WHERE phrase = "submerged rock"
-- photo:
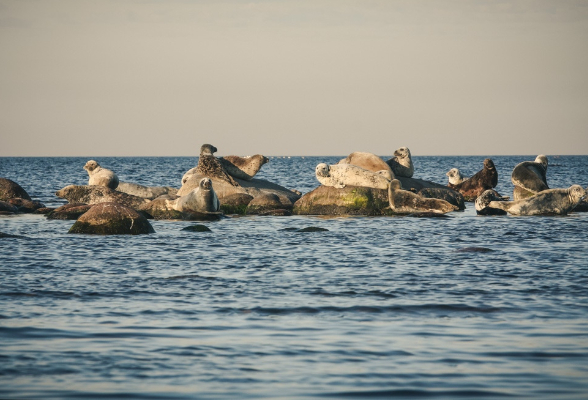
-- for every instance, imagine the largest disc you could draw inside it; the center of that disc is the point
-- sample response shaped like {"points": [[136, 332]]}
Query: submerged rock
{"points": [[312, 229], [196, 228], [99, 194], [7, 235], [10, 190], [111, 219]]}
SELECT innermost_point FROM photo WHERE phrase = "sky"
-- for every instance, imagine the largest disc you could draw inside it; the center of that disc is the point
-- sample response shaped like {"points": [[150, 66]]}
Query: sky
{"points": [[284, 77]]}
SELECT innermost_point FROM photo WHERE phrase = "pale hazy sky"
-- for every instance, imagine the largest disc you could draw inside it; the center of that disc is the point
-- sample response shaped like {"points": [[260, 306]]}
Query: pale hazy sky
{"points": [[162, 77]]}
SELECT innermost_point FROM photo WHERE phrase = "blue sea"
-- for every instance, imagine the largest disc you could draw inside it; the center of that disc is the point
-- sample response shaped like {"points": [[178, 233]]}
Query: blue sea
{"points": [[376, 307]]}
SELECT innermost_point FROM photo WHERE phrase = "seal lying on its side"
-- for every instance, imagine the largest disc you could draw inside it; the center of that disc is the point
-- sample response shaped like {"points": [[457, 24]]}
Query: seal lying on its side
{"points": [[147, 192], [547, 202], [341, 175], [243, 167], [368, 161], [405, 202], [530, 177], [401, 164], [485, 179], [210, 166], [201, 199], [484, 200], [455, 177], [100, 176]]}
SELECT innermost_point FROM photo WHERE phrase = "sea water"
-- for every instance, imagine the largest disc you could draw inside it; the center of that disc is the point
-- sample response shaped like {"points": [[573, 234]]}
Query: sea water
{"points": [[376, 307]]}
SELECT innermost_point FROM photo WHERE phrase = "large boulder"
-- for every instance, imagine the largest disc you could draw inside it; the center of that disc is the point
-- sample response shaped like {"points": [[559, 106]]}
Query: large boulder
{"points": [[10, 190], [147, 192], [350, 200], [99, 194], [269, 204], [111, 219], [7, 208], [235, 203]]}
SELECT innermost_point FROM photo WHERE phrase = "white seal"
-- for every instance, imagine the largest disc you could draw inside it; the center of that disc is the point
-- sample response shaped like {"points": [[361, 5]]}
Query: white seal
{"points": [[455, 177], [101, 176], [341, 175]]}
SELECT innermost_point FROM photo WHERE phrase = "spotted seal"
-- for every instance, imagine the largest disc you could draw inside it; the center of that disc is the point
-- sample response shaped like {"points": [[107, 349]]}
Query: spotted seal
{"points": [[100, 176], [405, 202], [486, 178], [530, 177], [401, 163], [201, 199], [547, 202], [368, 161], [243, 167], [341, 175], [210, 166], [455, 177], [482, 203]]}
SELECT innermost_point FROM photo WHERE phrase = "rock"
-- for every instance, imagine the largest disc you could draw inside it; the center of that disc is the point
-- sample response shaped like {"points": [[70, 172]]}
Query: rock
{"points": [[6, 235], [196, 228], [474, 250], [281, 212], [264, 203], [69, 211], [582, 206], [235, 203], [7, 208], [43, 210], [427, 214], [350, 200], [449, 195], [99, 194], [10, 189], [111, 219], [146, 192], [312, 229], [26, 206]]}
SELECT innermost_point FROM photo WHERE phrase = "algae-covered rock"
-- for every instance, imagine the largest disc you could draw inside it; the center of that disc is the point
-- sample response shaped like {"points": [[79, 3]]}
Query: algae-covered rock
{"points": [[99, 194], [69, 211], [111, 219], [350, 200], [10, 189], [235, 203]]}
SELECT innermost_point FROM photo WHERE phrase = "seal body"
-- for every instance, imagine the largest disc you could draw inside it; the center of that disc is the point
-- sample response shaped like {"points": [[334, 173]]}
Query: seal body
{"points": [[210, 166], [100, 176], [455, 177], [485, 179], [368, 161], [341, 175], [547, 202], [482, 203], [401, 163], [201, 199], [405, 202], [530, 177], [243, 167]]}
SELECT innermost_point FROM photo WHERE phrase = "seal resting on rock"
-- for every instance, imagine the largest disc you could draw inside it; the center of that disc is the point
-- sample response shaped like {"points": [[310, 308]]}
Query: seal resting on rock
{"points": [[455, 177], [485, 179], [202, 199], [401, 163], [449, 195], [147, 192], [98, 194], [100, 176], [547, 202], [243, 167], [341, 175], [405, 202], [483, 201], [530, 177], [209, 166], [368, 161]]}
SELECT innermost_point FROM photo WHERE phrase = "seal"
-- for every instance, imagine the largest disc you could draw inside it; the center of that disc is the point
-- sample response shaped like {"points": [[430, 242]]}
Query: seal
{"points": [[547, 202], [209, 166], [368, 161], [483, 200], [100, 176], [201, 199], [405, 202], [401, 163], [530, 177], [243, 167], [341, 175], [486, 178], [455, 177]]}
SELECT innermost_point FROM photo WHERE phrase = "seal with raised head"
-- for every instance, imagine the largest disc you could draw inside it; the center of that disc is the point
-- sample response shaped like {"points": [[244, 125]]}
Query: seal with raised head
{"points": [[100, 176], [243, 167], [483, 201], [209, 166], [201, 199], [405, 202], [486, 178], [455, 177], [341, 175], [401, 163], [368, 161], [530, 177], [547, 202]]}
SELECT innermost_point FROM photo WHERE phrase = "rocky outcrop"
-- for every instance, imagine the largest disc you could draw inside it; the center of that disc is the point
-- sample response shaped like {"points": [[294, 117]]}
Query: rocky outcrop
{"points": [[146, 192], [7, 208], [99, 194], [269, 204], [111, 219], [162, 208], [69, 211], [26, 206], [235, 203], [350, 200], [10, 190]]}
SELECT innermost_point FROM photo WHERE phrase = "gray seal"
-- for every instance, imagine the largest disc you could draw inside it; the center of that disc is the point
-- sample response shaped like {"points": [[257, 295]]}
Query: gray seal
{"points": [[401, 163], [547, 202], [201, 199], [368, 161], [341, 175], [243, 167], [100, 176], [209, 166], [455, 177], [530, 176], [405, 202]]}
